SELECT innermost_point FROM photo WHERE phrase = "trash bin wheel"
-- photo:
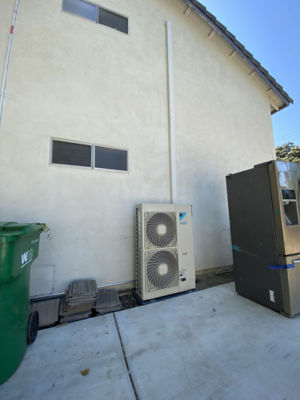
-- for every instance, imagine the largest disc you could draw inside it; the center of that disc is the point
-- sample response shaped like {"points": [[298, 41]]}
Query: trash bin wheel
{"points": [[33, 326]]}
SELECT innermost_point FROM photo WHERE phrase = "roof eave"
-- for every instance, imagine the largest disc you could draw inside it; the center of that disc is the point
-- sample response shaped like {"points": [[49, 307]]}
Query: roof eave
{"points": [[240, 49]]}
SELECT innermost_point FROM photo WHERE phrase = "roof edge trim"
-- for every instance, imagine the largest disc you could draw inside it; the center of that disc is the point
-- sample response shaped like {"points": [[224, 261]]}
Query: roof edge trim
{"points": [[240, 49]]}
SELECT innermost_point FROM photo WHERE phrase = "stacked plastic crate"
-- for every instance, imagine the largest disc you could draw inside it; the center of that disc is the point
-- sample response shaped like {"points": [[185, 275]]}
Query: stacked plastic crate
{"points": [[78, 301]]}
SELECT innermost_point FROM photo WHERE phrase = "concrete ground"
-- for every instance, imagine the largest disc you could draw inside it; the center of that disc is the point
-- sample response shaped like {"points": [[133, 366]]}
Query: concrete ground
{"points": [[52, 365], [211, 344]]}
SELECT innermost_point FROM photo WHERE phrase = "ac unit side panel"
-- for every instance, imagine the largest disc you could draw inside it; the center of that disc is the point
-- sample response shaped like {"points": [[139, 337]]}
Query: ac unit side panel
{"points": [[186, 258], [139, 252]]}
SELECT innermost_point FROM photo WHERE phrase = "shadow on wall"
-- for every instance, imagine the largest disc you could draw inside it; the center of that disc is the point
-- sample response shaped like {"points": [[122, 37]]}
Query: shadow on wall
{"points": [[211, 226]]}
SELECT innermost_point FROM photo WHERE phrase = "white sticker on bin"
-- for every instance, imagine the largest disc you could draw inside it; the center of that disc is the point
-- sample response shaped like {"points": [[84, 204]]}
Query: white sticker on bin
{"points": [[26, 257]]}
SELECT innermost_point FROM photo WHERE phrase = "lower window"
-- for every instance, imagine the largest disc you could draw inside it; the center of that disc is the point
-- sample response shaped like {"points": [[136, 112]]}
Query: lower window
{"points": [[88, 155], [110, 158]]}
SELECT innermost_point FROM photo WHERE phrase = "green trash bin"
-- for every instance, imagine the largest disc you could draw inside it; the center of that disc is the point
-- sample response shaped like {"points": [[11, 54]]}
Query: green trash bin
{"points": [[19, 246]]}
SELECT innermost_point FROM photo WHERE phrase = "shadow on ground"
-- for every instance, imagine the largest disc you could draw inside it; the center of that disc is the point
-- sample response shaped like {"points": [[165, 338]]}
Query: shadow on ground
{"points": [[203, 281]]}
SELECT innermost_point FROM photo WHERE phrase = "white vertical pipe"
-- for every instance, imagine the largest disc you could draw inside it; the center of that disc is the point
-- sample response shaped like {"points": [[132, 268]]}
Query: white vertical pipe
{"points": [[172, 138], [7, 58]]}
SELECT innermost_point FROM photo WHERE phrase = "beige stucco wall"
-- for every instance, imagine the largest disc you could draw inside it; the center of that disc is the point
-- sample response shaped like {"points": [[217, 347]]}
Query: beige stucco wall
{"points": [[73, 79]]}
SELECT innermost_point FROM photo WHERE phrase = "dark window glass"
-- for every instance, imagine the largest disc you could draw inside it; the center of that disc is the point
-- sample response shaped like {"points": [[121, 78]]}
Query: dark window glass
{"points": [[71, 153], [110, 158], [288, 194], [81, 8], [113, 20]]}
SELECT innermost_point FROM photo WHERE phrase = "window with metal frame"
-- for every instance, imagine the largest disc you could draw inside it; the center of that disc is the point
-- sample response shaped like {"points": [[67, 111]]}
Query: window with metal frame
{"points": [[97, 14], [110, 158], [113, 20], [88, 155], [68, 153]]}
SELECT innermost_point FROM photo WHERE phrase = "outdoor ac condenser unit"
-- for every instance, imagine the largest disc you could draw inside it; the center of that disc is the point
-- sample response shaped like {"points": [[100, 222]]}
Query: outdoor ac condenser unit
{"points": [[164, 250]]}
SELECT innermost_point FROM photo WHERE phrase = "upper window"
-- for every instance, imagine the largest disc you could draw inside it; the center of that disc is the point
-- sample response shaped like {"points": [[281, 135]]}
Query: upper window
{"points": [[97, 14], [113, 20], [82, 8], [88, 155]]}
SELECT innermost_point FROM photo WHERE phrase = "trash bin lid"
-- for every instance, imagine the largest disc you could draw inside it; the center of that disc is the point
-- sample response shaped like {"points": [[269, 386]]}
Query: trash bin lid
{"points": [[14, 229]]}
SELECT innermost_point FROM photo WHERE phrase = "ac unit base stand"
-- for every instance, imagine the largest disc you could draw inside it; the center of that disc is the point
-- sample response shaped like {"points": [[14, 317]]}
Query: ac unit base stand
{"points": [[157, 299]]}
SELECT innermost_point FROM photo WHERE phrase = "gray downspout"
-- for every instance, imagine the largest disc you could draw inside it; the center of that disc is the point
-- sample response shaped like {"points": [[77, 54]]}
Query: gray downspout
{"points": [[172, 138]]}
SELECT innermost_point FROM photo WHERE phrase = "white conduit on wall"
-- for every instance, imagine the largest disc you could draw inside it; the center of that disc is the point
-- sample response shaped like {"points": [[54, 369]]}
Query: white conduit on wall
{"points": [[172, 138], [7, 59]]}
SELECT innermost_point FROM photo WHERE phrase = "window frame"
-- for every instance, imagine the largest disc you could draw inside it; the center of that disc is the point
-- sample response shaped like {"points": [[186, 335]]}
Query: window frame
{"points": [[112, 12], [98, 7], [79, 15], [93, 146], [111, 148], [71, 142]]}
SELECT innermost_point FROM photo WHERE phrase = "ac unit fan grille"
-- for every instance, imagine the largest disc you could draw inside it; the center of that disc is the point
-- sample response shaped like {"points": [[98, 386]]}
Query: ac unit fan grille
{"points": [[161, 229], [162, 270]]}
